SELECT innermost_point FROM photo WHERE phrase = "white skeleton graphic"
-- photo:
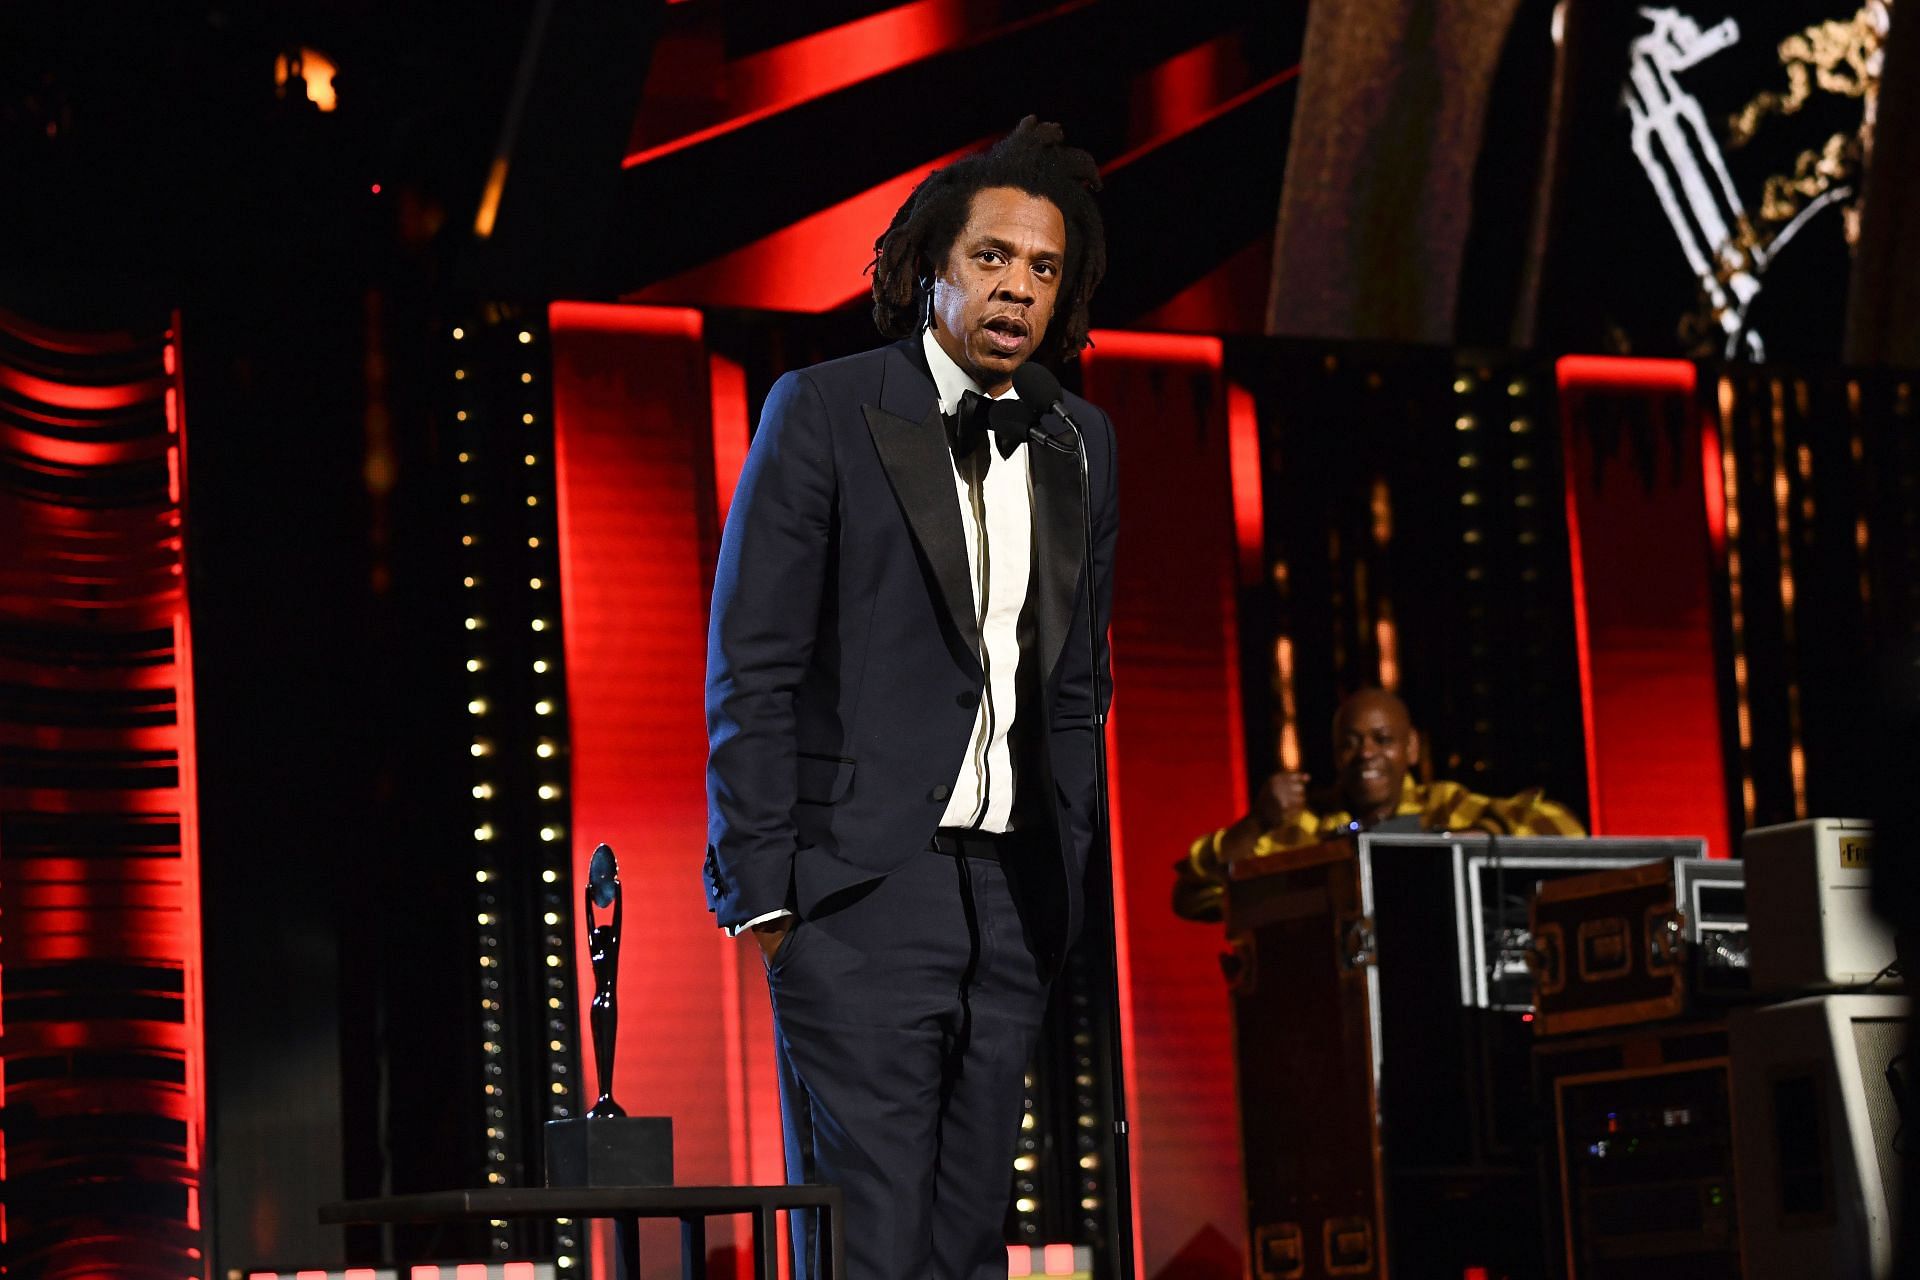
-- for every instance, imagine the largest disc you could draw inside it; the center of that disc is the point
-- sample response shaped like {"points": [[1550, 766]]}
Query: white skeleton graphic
{"points": [[1683, 161]]}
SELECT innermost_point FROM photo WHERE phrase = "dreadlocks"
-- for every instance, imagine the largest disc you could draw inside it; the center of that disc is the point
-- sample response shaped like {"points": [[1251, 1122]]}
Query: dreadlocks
{"points": [[1034, 158]]}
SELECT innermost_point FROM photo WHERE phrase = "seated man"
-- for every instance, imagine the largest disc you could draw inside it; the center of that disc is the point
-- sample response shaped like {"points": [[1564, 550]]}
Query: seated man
{"points": [[1374, 746]]}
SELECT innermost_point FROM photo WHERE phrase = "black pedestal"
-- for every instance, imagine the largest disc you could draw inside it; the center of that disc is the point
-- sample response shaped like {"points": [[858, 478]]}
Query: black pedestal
{"points": [[610, 1151]]}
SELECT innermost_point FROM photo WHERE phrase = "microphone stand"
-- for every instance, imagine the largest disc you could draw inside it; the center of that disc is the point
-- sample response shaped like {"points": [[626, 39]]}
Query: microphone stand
{"points": [[1124, 1262]]}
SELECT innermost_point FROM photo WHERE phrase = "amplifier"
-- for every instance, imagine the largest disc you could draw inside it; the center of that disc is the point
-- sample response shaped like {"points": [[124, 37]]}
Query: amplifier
{"points": [[1810, 890], [1643, 1153], [1819, 1087], [1636, 944], [1383, 1051]]}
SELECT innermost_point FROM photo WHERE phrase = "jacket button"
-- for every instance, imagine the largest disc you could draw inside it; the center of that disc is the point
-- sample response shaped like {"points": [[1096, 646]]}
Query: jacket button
{"points": [[940, 793], [968, 700]]}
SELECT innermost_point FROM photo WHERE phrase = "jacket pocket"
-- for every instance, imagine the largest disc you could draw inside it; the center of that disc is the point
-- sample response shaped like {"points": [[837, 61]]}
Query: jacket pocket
{"points": [[823, 779]]}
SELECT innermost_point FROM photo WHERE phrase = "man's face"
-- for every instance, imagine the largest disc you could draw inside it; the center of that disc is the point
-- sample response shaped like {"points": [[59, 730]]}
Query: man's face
{"points": [[1373, 746], [995, 294]]}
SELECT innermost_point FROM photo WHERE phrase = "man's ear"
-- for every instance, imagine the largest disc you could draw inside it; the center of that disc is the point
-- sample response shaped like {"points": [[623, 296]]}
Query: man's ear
{"points": [[1413, 747]]}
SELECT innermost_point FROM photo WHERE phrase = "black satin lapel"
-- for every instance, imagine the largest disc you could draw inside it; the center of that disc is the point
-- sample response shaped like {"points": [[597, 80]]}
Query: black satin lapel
{"points": [[920, 469], [1059, 545]]}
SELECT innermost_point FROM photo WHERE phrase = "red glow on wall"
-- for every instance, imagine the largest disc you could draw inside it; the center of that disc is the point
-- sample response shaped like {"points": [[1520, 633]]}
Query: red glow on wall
{"points": [[1177, 762], [816, 264], [1214, 112], [1641, 526], [731, 431], [1249, 501], [1583, 650], [1713, 485], [635, 470]]}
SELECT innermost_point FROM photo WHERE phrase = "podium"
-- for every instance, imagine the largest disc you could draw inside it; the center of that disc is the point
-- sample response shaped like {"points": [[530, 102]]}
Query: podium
{"points": [[1382, 1042]]}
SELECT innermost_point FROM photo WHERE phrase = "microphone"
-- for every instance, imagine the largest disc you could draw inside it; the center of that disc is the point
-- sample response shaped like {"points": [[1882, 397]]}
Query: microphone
{"points": [[1037, 386]]}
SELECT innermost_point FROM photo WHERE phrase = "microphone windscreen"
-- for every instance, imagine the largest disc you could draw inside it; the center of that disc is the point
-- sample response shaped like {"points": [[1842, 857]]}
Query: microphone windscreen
{"points": [[1036, 385]]}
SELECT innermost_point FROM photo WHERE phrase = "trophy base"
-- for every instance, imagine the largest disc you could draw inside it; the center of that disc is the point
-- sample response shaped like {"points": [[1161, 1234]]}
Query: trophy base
{"points": [[610, 1151]]}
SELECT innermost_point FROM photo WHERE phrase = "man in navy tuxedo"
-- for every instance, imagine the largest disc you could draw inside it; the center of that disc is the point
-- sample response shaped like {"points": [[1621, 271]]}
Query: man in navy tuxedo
{"points": [[900, 708]]}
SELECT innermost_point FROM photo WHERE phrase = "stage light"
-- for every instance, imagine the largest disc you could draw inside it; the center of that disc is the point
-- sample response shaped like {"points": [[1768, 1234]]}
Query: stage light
{"points": [[1520, 426], [544, 750], [539, 624], [526, 377], [525, 336], [483, 791], [1465, 422], [533, 500], [466, 457], [540, 666], [535, 583], [1468, 461], [458, 333], [549, 834], [533, 542], [549, 875], [553, 962], [483, 832], [530, 459], [460, 415], [483, 876], [473, 664], [473, 624], [527, 418], [484, 918], [315, 71], [480, 748], [469, 581], [543, 708], [465, 498], [552, 917], [477, 707], [459, 375]]}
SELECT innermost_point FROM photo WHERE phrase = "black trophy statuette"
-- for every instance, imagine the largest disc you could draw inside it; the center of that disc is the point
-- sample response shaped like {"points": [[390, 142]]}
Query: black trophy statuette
{"points": [[607, 1147], [603, 949]]}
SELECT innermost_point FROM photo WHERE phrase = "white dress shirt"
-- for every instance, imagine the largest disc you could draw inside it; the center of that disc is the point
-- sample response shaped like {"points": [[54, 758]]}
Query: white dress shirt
{"points": [[996, 516]]}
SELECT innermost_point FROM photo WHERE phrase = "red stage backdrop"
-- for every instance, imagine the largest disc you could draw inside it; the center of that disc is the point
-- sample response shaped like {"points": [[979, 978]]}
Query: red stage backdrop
{"points": [[103, 1083], [1177, 769], [641, 413], [635, 470], [1639, 504]]}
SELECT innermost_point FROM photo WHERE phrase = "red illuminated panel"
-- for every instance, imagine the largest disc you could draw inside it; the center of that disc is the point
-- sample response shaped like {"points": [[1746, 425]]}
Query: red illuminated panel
{"points": [[635, 460], [99, 853], [782, 77], [1177, 754], [813, 265], [1641, 522]]}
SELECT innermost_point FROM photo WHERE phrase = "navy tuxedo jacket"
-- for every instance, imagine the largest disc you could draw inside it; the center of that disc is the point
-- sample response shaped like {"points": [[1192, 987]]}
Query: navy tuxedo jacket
{"points": [[843, 659]]}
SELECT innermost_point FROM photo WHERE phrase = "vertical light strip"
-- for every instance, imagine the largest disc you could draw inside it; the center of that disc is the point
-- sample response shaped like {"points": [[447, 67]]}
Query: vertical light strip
{"points": [[1783, 507], [1857, 452], [193, 954], [1582, 638], [1244, 463], [1736, 596]]}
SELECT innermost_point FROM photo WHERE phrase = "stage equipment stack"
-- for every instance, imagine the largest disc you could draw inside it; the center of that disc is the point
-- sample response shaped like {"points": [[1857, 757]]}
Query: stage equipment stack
{"points": [[1381, 988]]}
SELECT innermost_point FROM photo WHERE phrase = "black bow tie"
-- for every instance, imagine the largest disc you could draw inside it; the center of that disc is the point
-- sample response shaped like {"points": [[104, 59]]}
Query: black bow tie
{"points": [[1005, 420]]}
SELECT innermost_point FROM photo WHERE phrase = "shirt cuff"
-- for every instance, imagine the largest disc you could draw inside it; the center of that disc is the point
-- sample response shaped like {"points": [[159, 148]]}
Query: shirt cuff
{"points": [[738, 929]]}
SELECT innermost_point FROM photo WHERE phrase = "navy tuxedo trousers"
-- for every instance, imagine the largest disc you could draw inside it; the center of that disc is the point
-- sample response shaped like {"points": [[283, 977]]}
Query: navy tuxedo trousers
{"points": [[905, 1012]]}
